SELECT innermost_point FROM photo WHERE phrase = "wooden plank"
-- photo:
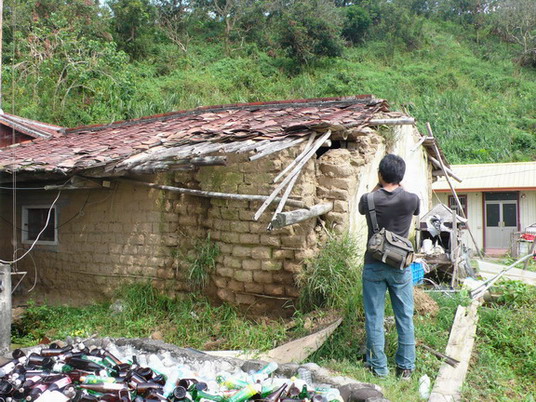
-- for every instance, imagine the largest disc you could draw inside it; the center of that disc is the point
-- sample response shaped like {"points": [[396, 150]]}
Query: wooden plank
{"points": [[290, 218], [276, 147], [283, 201], [391, 122], [437, 164], [211, 194], [448, 384], [298, 158], [298, 350], [287, 179]]}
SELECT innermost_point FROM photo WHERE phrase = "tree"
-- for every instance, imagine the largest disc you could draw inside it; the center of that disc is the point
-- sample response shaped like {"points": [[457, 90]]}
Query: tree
{"points": [[133, 25], [516, 21], [356, 23], [64, 71], [310, 28]]}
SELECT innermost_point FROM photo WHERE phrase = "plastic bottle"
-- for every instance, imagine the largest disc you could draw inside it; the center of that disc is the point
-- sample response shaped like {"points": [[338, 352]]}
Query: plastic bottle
{"points": [[305, 375], [245, 393], [424, 386]]}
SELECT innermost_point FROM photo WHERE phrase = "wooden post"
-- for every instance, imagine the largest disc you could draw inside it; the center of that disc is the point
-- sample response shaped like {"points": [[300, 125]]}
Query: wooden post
{"points": [[299, 215], [454, 249], [212, 194], [462, 213], [5, 309]]}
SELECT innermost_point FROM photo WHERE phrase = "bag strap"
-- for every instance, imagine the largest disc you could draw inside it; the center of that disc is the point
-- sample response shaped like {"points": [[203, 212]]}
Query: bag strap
{"points": [[372, 212]]}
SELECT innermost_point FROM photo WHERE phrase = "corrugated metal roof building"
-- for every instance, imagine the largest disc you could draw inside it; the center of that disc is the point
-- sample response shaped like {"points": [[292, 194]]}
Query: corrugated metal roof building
{"points": [[499, 200]]}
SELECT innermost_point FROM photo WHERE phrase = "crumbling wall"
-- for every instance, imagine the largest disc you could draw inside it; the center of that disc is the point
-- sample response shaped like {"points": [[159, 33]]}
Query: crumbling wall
{"points": [[110, 237]]}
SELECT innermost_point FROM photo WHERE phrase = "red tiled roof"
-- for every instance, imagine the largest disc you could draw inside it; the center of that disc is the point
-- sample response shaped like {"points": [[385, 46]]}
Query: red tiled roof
{"points": [[91, 146]]}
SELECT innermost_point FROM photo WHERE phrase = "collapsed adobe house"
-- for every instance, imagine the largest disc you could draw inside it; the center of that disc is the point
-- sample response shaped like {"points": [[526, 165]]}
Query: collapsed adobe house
{"points": [[136, 198]]}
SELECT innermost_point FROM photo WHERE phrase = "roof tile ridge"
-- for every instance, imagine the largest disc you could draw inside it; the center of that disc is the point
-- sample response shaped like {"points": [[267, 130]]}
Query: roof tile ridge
{"points": [[232, 106]]}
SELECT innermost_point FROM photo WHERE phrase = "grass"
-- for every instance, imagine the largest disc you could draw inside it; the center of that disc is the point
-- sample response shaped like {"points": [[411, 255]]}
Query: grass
{"points": [[190, 322], [502, 368]]}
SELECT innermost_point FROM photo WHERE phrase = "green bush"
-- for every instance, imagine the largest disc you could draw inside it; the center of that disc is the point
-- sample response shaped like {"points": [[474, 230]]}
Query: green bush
{"points": [[328, 279]]}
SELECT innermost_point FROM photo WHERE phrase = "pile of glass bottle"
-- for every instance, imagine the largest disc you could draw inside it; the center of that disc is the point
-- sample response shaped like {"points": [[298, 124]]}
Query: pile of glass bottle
{"points": [[76, 373]]}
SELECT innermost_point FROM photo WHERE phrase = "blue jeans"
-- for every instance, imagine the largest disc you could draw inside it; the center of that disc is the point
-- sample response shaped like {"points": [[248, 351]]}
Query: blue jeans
{"points": [[377, 279]]}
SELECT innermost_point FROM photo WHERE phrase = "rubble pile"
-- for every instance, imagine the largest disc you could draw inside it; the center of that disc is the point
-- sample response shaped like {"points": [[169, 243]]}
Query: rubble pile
{"points": [[78, 372]]}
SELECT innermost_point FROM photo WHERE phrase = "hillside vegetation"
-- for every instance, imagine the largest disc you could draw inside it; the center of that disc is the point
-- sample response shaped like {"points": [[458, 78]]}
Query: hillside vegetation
{"points": [[462, 65]]}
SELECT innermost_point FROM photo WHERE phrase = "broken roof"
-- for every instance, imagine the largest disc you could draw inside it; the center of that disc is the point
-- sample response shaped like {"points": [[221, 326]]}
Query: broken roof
{"points": [[149, 143], [31, 128]]}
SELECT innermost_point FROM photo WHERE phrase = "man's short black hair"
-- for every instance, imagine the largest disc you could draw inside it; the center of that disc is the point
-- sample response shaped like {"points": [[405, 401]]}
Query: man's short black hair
{"points": [[392, 168]]}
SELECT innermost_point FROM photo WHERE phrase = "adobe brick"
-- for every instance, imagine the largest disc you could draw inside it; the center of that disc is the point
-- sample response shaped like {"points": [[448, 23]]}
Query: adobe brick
{"points": [[261, 253], [253, 287], [262, 277], [271, 265], [243, 276], [251, 265], [248, 238]]}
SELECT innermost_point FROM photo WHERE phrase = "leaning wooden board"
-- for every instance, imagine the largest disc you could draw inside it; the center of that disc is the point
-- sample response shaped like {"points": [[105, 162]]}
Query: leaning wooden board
{"points": [[449, 381]]}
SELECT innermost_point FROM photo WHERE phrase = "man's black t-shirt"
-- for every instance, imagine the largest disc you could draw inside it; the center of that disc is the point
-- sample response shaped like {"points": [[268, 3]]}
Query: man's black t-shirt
{"points": [[394, 211]]}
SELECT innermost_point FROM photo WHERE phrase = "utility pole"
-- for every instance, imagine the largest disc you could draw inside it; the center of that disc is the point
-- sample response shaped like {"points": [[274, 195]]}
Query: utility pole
{"points": [[5, 309]]}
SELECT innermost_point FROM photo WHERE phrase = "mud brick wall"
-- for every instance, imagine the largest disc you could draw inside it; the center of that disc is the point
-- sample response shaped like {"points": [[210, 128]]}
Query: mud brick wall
{"points": [[106, 238], [110, 237]]}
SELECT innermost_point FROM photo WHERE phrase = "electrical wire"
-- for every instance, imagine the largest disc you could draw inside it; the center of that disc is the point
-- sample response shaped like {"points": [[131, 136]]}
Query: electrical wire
{"points": [[38, 235], [35, 271]]}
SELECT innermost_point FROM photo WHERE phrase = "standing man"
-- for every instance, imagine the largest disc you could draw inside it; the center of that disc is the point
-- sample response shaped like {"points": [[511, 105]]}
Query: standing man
{"points": [[395, 208]]}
